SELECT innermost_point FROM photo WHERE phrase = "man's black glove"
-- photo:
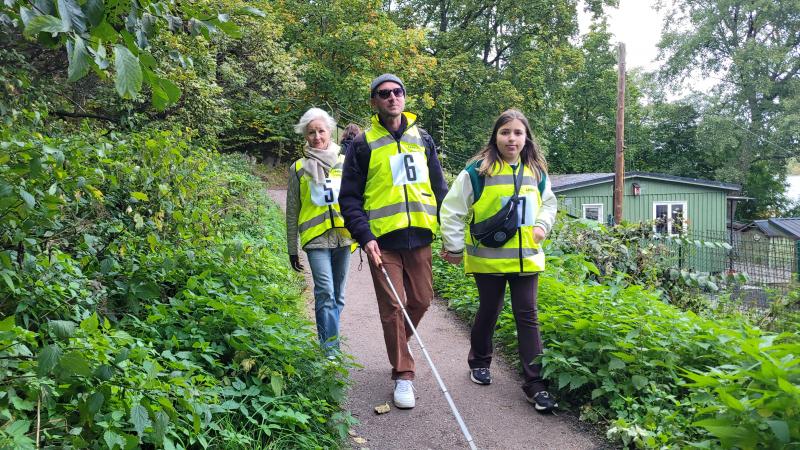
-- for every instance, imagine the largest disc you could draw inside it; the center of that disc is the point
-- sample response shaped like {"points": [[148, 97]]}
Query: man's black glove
{"points": [[294, 260]]}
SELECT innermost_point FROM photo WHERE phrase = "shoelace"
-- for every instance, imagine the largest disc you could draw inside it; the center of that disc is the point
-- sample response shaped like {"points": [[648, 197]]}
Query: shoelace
{"points": [[404, 387], [482, 373]]}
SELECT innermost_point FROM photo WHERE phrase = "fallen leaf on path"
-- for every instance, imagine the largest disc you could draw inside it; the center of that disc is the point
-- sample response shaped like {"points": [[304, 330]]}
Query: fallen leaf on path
{"points": [[382, 409], [352, 432], [360, 440]]}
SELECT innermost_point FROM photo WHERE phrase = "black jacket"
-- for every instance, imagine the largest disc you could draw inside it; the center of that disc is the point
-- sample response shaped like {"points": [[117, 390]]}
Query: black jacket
{"points": [[345, 145], [351, 195]]}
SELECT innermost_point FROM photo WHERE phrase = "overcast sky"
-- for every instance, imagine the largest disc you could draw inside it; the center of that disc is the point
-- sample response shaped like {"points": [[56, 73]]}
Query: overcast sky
{"points": [[638, 25]]}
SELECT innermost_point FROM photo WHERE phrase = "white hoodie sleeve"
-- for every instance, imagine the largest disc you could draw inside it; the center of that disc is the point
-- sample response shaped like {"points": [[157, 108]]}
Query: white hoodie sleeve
{"points": [[454, 212], [547, 213]]}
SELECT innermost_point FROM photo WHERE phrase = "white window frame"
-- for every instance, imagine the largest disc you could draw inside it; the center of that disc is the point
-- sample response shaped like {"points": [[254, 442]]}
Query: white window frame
{"points": [[599, 207], [669, 204]]}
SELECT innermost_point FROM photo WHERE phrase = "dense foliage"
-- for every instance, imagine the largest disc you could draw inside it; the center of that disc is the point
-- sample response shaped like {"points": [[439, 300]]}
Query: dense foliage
{"points": [[241, 72], [145, 301], [632, 253], [655, 375], [749, 130]]}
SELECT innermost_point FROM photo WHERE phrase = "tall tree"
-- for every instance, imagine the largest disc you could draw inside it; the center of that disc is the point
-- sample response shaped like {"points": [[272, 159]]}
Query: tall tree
{"points": [[344, 44], [492, 30], [508, 54], [584, 139], [751, 47], [673, 145]]}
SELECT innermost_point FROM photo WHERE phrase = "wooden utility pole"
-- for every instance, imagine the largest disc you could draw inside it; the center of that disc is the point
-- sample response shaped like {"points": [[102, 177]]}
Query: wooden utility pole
{"points": [[619, 161]]}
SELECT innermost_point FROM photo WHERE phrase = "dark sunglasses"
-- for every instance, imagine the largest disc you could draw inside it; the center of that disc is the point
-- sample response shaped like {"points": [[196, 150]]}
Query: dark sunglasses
{"points": [[384, 93]]}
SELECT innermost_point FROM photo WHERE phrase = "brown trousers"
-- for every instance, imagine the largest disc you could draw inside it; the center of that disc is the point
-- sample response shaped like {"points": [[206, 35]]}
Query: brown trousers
{"points": [[412, 277]]}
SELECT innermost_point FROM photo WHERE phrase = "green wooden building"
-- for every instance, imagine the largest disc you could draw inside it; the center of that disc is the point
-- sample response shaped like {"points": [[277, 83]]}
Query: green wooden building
{"points": [[693, 207]]}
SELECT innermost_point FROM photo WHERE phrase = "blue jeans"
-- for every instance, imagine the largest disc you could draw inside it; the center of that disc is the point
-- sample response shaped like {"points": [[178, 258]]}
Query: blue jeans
{"points": [[329, 268]]}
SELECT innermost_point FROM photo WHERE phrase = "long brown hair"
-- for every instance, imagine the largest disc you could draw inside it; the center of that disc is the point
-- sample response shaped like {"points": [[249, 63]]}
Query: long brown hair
{"points": [[531, 153]]}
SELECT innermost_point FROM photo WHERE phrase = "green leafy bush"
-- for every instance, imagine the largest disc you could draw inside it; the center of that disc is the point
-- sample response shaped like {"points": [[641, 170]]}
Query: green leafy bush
{"points": [[145, 302], [657, 376], [632, 253]]}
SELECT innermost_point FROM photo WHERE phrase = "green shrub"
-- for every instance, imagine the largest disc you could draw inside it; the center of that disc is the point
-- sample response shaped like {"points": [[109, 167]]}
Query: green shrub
{"points": [[145, 302], [632, 253], [655, 375]]}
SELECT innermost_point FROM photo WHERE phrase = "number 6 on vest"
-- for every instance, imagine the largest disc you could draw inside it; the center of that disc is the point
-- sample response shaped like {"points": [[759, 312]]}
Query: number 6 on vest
{"points": [[408, 168]]}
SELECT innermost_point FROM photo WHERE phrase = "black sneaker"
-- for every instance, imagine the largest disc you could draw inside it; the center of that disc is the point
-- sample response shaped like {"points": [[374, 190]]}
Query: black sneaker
{"points": [[543, 401], [480, 376]]}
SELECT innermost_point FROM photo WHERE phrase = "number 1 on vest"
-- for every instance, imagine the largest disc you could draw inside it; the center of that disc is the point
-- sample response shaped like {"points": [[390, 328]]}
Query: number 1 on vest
{"points": [[525, 211]]}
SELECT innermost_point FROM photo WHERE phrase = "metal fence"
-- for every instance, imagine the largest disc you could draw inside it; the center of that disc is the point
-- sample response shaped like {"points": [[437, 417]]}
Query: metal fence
{"points": [[770, 265], [771, 261]]}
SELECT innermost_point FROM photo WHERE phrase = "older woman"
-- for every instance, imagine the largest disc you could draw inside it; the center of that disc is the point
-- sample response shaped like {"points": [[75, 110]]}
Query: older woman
{"points": [[312, 211]]}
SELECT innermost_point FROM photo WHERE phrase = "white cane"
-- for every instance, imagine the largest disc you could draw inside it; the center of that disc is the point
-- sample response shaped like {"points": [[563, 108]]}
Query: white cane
{"points": [[460, 421]]}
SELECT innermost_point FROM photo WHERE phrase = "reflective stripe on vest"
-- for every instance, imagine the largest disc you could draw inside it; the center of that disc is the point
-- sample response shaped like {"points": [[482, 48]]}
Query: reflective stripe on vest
{"points": [[521, 253], [398, 191], [315, 219]]}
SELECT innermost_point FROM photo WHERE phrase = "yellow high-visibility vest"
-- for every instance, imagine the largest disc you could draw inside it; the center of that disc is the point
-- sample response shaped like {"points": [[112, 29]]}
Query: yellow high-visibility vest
{"points": [[521, 253], [398, 192], [319, 203]]}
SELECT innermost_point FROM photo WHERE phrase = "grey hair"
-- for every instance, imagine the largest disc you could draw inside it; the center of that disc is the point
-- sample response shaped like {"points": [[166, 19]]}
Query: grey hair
{"points": [[312, 115]]}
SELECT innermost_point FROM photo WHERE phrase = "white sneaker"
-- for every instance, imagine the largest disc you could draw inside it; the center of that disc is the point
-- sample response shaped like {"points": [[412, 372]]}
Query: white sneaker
{"points": [[404, 394]]}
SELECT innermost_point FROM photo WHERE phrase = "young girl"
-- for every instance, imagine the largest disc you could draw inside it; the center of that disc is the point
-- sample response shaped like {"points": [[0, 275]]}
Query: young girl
{"points": [[490, 179]]}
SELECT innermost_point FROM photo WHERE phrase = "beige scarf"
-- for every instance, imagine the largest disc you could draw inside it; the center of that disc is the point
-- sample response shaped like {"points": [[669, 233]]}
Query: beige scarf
{"points": [[318, 162]]}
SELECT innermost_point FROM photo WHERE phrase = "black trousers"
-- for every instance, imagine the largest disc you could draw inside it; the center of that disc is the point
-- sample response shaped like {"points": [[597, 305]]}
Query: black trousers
{"points": [[491, 291]]}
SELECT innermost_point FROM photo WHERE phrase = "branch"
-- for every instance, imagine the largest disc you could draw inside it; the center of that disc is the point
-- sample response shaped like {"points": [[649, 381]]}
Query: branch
{"points": [[85, 116], [10, 208], [428, 18], [472, 15], [787, 76], [38, 419], [751, 25], [512, 42]]}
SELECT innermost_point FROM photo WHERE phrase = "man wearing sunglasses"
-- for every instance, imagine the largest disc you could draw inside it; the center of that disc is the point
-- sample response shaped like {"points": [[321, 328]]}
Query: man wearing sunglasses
{"points": [[392, 187]]}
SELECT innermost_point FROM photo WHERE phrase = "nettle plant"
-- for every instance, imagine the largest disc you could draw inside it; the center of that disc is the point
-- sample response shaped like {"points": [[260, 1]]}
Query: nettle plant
{"points": [[632, 253], [145, 304], [656, 376]]}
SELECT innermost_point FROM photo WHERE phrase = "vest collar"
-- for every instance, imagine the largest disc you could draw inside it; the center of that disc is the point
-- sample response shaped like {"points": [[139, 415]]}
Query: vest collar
{"points": [[410, 118]]}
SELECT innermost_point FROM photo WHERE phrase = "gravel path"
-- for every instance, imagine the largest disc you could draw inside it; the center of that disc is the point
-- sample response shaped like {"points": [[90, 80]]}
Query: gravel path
{"points": [[498, 417]]}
